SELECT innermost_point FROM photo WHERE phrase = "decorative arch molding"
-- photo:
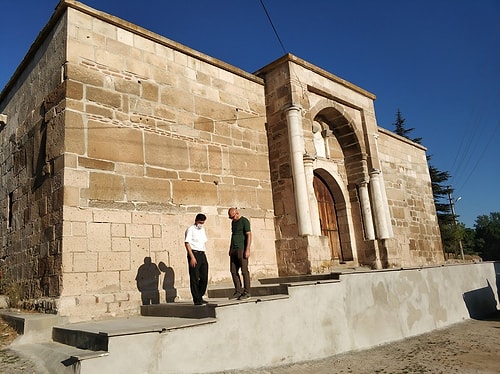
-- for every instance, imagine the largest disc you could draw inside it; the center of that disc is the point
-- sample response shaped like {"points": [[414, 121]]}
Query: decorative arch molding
{"points": [[341, 123], [326, 171], [349, 136]]}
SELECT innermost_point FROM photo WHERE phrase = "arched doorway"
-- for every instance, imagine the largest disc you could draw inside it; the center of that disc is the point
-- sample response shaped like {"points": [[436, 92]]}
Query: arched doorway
{"points": [[328, 217]]}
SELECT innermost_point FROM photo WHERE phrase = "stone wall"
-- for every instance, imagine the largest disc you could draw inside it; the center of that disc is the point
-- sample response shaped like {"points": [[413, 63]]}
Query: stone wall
{"points": [[31, 164], [117, 137], [154, 135], [417, 240]]}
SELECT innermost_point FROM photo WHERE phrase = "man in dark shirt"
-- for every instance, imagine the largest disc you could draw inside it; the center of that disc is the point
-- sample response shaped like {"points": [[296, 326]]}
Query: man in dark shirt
{"points": [[239, 252]]}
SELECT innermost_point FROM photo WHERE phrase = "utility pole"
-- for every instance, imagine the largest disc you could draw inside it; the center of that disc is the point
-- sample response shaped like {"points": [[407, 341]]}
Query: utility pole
{"points": [[452, 206]]}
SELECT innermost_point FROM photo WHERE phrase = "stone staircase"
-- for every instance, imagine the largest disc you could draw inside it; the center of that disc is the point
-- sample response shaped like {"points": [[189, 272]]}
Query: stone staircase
{"points": [[84, 347]]}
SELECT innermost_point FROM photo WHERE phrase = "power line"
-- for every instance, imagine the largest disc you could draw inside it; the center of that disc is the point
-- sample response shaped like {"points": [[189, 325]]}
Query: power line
{"points": [[470, 143], [272, 25], [480, 157]]}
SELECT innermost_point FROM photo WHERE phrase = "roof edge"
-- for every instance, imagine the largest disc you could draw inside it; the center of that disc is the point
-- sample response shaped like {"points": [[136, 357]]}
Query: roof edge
{"points": [[401, 138], [307, 65], [63, 5]]}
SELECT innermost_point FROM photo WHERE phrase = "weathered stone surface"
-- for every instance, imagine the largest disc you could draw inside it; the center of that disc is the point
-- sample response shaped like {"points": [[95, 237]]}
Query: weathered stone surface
{"points": [[111, 166], [108, 142]]}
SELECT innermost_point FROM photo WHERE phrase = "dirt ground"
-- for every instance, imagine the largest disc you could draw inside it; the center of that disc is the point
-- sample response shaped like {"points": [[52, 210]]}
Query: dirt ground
{"points": [[472, 346], [7, 334], [12, 362]]}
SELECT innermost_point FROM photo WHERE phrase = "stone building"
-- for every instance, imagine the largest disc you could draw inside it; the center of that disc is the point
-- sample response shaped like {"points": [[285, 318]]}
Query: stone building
{"points": [[113, 138]]}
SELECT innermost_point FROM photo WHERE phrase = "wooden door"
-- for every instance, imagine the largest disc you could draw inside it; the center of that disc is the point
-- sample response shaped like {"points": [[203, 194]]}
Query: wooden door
{"points": [[328, 217]]}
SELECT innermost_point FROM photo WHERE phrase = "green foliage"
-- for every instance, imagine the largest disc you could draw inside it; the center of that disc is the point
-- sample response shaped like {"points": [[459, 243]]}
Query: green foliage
{"points": [[440, 193], [487, 236], [452, 236], [469, 241], [401, 130]]}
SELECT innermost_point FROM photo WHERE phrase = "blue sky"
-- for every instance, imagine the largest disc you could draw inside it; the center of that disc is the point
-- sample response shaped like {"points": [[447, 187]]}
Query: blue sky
{"points": [[437, 61]]}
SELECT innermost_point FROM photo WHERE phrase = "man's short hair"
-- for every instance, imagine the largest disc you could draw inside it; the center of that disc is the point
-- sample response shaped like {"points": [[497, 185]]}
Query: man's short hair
{"points": [[201, 217]]}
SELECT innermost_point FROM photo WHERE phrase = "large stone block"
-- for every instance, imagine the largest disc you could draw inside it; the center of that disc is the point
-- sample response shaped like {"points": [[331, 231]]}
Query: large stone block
{"points": [[146, 218], [149, 91], [120, 244], [198, 157], [71, 196], [103, 282], [103, 96], [117, 47], [194, 193], [126, 144], [74, 140], [112, 216], [74, 244], [213, 109], [76, 178], [84, 262], [147, 189], [80, 49], [84, 75], [109, 261], [77, 214], [106, 187], [99, 234], [90, 163], [135, 230], [127, 86], [248, 164], [163, 151]]}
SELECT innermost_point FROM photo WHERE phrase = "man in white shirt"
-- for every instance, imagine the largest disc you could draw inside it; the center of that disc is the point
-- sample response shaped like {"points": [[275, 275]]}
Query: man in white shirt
{"points": [[195, 239]]}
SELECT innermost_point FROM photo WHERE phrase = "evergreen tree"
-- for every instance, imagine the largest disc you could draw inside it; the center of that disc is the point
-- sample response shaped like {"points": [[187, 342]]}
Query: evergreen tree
{"points": [[440, 193], [401, 130]]}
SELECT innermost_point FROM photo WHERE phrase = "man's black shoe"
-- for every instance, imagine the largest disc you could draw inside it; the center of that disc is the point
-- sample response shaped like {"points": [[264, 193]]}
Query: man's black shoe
{"points": [[236, 295], [244, 296]]}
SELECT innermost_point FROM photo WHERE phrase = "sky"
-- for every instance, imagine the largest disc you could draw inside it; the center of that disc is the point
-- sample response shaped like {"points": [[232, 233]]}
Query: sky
{"points": [[437, 61]]}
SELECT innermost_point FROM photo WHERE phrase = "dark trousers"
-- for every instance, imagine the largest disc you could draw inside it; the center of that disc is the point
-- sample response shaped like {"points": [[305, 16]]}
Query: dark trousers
{"points": [[198, 276], [237, 263]]}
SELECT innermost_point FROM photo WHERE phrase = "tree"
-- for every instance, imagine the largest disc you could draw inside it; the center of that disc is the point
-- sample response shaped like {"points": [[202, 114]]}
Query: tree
{"points": [[440, 193], [488, 236], [401, 130], [469, 241]]}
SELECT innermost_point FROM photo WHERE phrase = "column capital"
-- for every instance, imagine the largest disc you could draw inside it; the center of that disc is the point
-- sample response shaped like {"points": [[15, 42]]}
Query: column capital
{"points": [[363, 182], [294, 107], [327, 133], [308, 158]]}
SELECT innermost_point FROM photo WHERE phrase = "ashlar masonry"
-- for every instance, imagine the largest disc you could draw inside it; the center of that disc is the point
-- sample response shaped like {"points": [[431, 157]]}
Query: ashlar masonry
{"points": [[114, 137]]}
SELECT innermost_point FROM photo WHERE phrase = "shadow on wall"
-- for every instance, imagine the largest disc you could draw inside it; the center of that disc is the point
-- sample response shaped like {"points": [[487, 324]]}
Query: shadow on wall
{"points": [[481, 303], [168, 282], [147, 279], [147, 282]]}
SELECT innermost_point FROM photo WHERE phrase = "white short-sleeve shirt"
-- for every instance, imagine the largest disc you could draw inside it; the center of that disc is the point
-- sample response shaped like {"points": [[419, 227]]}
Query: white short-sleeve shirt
{"points": [[196, 237]]}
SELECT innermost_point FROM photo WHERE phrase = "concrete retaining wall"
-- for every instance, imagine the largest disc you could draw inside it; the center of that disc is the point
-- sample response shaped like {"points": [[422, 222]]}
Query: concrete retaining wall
{"points": [[317, 320]]}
